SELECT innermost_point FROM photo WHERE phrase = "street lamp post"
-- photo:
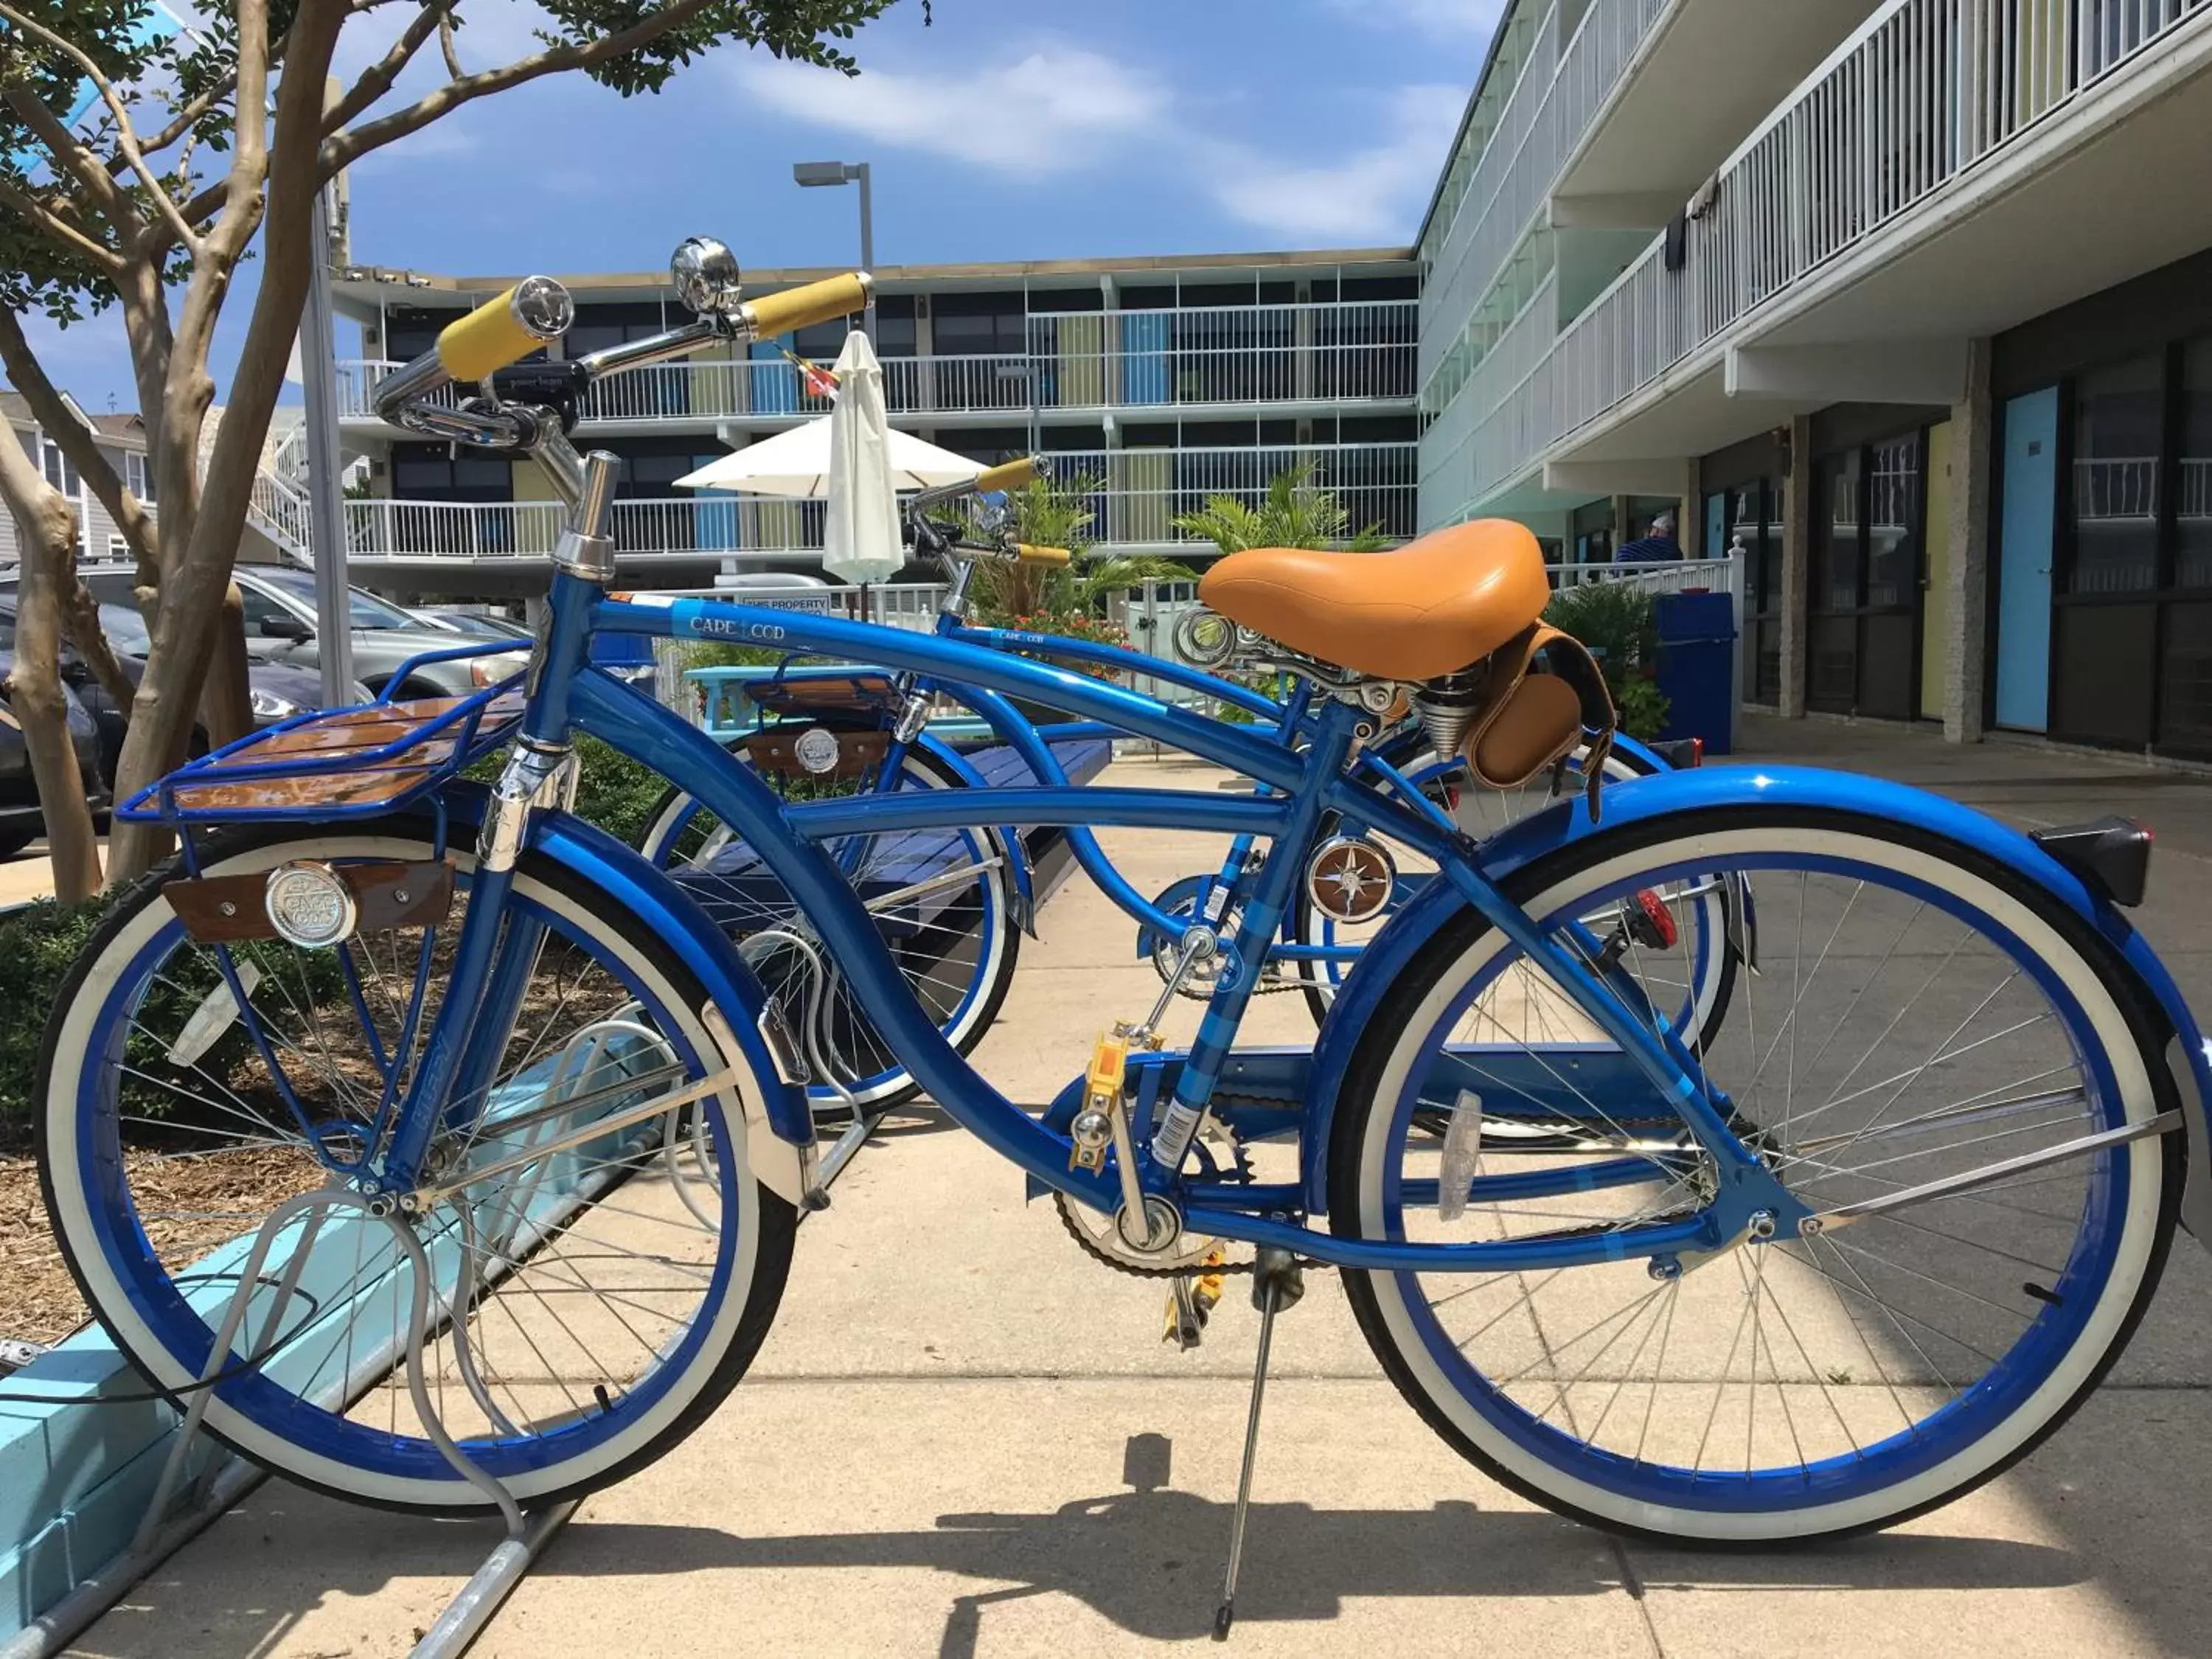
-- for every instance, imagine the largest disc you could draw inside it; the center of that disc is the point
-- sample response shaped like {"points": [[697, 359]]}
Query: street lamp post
{"points": [[814, 175]]}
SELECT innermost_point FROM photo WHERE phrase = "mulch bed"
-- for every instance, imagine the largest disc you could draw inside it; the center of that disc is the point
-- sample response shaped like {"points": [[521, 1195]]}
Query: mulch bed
{"points": [[228, 1194]]}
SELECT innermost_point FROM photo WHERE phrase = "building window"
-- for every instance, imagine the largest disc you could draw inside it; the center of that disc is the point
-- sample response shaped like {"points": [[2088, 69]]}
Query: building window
{"points": [[1836, 533], [139, 475], [60, 470], [2119, 434], [1892, 542], [118, 549]]}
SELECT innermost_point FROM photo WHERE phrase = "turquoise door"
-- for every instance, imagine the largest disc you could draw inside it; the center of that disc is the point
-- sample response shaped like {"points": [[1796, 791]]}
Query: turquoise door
{"points": [[2031, 499]]}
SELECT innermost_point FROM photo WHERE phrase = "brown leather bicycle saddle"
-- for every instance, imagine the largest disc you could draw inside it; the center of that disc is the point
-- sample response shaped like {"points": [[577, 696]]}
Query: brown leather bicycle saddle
{"points": [[1431, 607]]}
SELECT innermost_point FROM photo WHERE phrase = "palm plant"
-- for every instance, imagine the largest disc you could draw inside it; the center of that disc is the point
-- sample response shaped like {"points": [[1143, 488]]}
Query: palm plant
{"points": [[1056, 512], [1296, 512]]}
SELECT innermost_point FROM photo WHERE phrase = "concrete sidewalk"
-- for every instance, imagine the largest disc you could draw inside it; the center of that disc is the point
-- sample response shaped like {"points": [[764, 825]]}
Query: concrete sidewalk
{"points": [[963, 1437]]}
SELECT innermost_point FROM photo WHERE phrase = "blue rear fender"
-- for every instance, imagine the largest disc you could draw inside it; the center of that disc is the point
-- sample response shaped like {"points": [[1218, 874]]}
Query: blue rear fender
{"points": [[1675, 795]]}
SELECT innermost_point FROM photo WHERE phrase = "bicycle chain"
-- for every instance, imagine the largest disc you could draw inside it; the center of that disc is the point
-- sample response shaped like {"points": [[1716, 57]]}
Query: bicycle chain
{"points": [[1062, 1206]]}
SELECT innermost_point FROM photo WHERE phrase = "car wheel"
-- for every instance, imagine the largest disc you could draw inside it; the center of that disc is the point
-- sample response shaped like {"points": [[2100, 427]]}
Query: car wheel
{"points": [[13, 842]]}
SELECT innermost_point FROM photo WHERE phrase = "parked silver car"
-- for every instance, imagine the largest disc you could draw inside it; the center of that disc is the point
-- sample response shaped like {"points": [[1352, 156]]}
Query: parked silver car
{"points": [[280, 626]]}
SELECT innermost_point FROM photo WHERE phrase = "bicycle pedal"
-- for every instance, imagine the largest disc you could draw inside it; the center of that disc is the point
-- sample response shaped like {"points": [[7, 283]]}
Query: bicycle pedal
{"points": [[1092, 1131], [1191, 1303]]}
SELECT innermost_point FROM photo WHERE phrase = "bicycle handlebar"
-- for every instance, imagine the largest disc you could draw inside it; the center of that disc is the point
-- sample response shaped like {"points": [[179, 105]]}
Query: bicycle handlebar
{"points": [[1029, 553], [505, 329], [800, 307], [1007, 475], [537, 311]]}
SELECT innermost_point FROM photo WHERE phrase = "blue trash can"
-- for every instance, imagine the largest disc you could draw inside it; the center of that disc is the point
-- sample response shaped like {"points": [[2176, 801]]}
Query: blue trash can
{"points": [[1697, 666]]}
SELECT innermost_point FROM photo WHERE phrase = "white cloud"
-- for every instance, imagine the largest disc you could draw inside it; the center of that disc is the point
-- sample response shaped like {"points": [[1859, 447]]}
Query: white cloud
{"points": [[1371, 194], [1051, 109], [1437, 17], [1061, 108]]}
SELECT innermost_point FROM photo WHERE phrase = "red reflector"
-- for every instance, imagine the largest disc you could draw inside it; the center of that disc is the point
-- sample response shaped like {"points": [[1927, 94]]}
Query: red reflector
{"points": [[1661, 918], [1697, 751]]}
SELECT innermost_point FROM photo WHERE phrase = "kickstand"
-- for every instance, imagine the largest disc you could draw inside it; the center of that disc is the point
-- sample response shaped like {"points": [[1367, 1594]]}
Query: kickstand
{"points": [[1276, 1283]]}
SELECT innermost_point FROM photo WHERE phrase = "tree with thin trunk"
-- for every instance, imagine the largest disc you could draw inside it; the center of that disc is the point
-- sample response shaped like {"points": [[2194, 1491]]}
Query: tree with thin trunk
{"points": [[121, 209], [44, 520]]}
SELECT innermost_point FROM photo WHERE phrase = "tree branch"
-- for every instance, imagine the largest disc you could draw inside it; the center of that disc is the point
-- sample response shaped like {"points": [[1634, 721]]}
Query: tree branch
{"points": [[56, 228], [376, 80], [126, 136], [348, 147], [80, 613], [74, 158], [446, 46], [28, 376]]}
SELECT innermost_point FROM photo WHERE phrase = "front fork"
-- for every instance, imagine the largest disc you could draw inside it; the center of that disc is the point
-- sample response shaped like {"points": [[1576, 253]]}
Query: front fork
{"points": [[497, 951]]}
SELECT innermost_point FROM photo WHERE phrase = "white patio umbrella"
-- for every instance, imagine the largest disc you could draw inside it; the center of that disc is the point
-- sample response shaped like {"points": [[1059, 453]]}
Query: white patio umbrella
{"points": [[797, 463], [861, 541]]}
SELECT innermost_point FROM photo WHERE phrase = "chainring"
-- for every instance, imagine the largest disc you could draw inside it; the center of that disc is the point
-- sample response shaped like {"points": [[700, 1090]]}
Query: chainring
{"points": [[1096, 1235]]}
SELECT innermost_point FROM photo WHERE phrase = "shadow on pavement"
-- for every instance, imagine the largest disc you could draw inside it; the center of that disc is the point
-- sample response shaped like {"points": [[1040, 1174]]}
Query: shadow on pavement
{"points": [[1151, 1561]]}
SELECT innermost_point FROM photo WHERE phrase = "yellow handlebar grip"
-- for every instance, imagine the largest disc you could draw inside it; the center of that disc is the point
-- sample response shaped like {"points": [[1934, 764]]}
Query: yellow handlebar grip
{"points": [[1030, 554], [506, 329], [817, 302], [1007, 475]]}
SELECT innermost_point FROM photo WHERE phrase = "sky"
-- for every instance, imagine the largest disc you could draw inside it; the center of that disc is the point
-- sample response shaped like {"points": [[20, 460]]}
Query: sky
{"points": [[1004, 130]]}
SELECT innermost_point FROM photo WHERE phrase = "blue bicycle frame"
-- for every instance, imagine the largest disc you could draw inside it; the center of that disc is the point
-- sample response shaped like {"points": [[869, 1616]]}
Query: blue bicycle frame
{"points": [[1290, 719], [564, 695]]}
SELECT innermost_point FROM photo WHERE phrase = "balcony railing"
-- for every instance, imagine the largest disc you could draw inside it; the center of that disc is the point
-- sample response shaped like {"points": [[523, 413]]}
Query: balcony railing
{"points": [[1139, 495], [1927, 89], [1546, 118], [1349, 351]]}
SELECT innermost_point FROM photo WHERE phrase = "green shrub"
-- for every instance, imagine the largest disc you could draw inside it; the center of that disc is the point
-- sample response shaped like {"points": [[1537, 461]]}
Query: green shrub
{"points": [[614, 792], [1642, 708], [40, 945], [37, 946], [1619, 624]]}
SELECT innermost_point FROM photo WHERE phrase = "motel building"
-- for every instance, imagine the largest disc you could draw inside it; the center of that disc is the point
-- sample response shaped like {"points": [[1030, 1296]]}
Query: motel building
{"points": [[1906, 309], [1910, 304]]}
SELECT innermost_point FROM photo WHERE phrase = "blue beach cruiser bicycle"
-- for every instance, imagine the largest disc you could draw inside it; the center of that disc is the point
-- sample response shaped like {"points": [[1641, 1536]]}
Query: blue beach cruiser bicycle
{"points": [[1817, 1270], [847, 729]]}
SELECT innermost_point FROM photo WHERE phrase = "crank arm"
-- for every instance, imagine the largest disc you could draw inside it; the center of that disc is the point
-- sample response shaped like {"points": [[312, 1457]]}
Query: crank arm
{"points": [[1846, 1215]]}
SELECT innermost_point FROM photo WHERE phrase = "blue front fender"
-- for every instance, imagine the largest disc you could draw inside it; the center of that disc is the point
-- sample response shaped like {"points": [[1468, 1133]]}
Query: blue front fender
{"points": [[623, 874], [1680, 794]]}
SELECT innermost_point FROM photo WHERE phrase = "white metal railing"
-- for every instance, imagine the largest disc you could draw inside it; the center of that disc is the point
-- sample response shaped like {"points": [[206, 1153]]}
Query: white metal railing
{"points": [[1137, 495], [1925, 89], [2116, 486], [1337, 352], [1658, 575], [1509, 361], [1523, 161]]}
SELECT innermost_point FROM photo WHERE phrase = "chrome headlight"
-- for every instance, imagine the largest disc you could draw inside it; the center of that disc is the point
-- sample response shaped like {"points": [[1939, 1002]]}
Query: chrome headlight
{"points": [[268, 705]]}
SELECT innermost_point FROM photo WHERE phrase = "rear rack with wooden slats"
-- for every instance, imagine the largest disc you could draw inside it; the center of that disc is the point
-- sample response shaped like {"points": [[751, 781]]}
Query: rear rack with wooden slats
{"points": [[341, 763]]}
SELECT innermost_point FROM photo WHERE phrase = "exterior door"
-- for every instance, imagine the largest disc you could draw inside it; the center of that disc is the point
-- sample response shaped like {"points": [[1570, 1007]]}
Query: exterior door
{"points": [[1935, 586], [2031, 499]]}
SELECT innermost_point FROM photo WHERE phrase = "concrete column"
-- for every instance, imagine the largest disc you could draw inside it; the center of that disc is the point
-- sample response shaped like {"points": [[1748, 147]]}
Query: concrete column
{"points": [[1965, 651], [1797, 565]]}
